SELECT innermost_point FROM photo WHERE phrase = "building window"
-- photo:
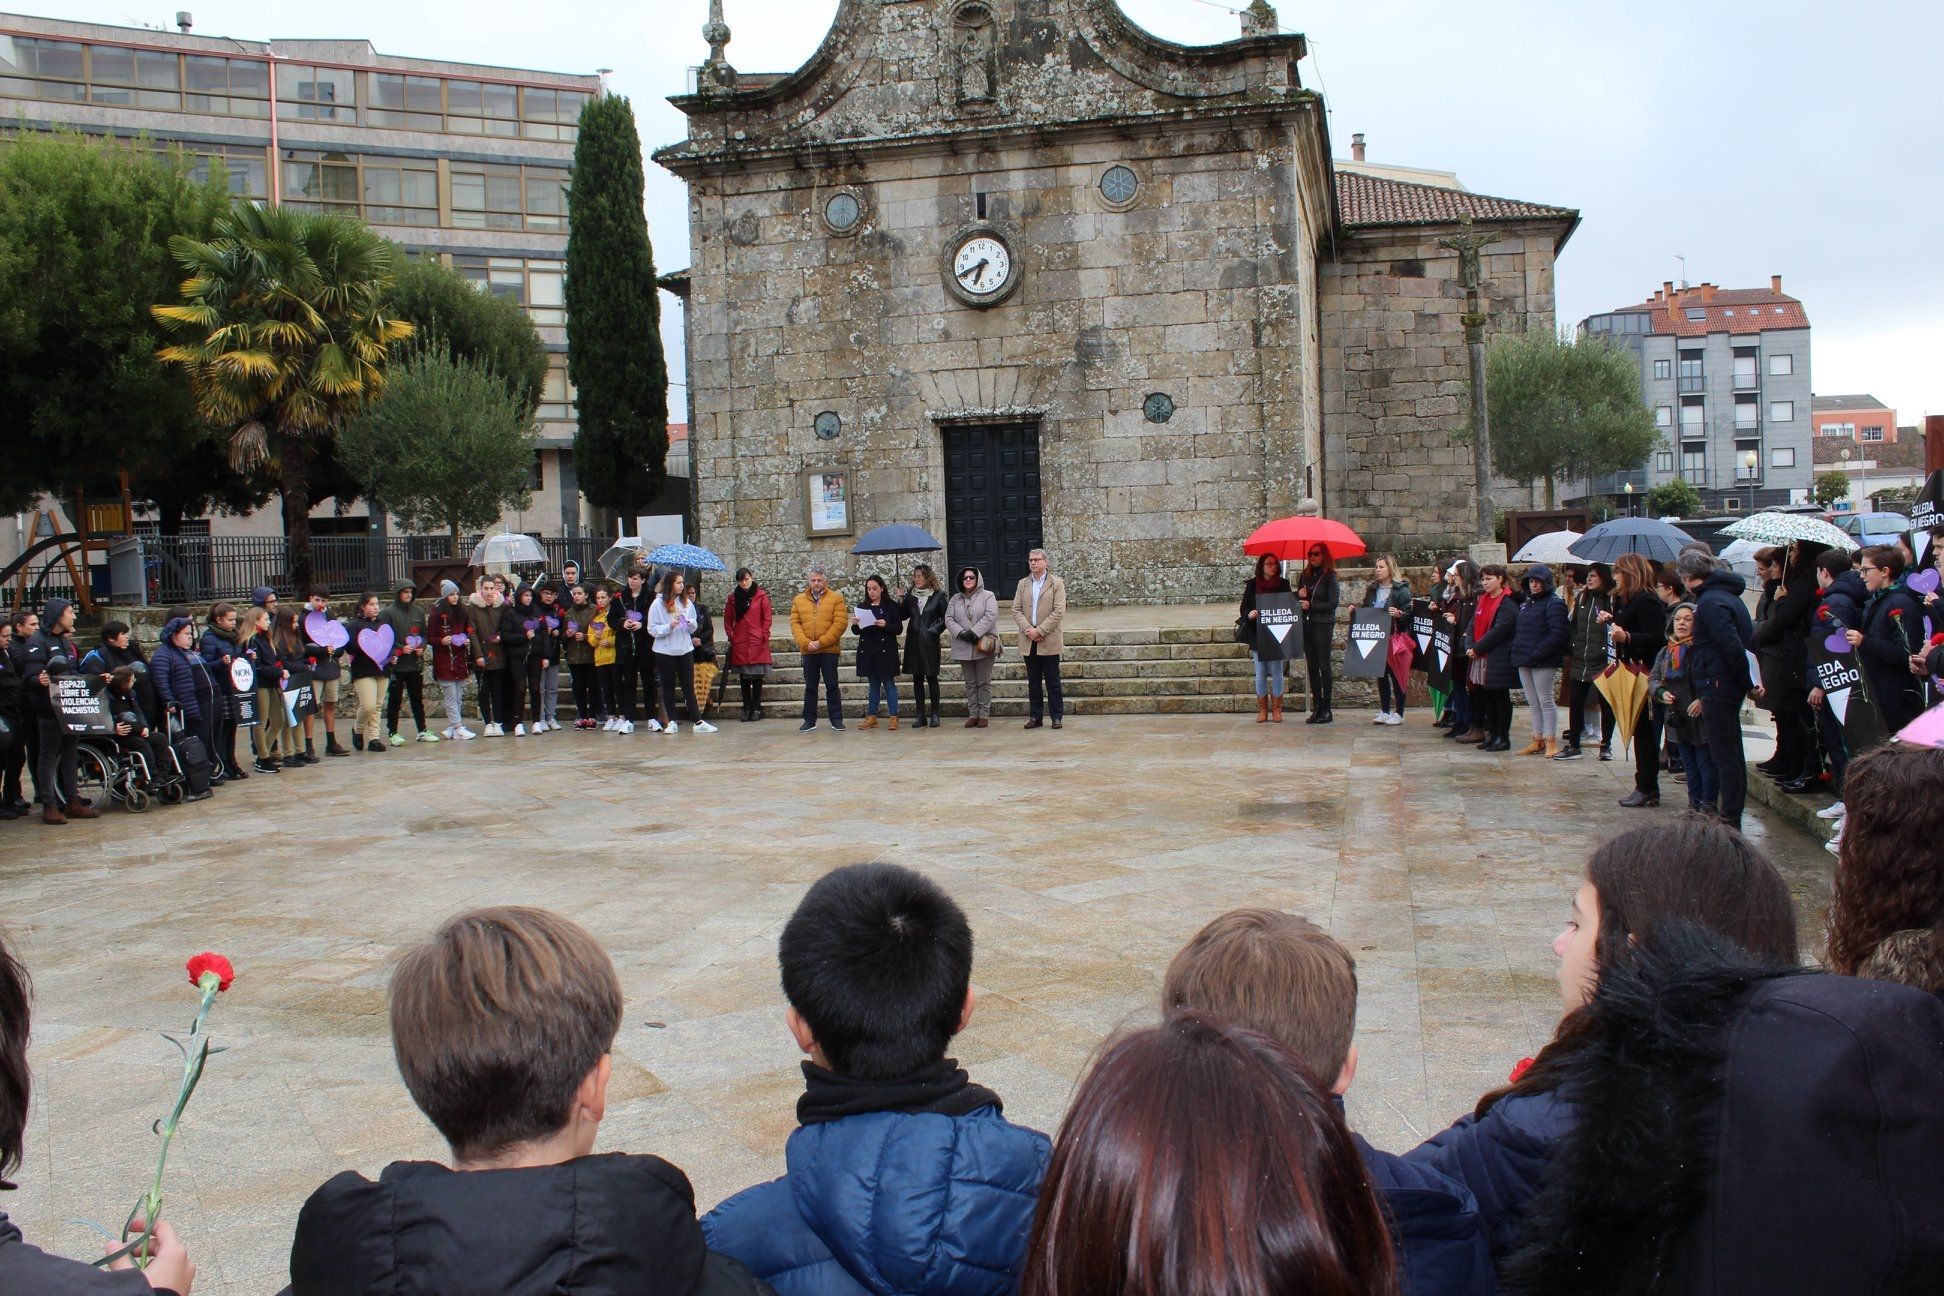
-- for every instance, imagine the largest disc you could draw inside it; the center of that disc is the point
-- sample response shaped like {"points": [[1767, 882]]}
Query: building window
{"points": [[1746, 369], [482, 108], [1731, 505], [384, 190], [1663, 416], [1748, 412], [401, 191], [405, 102], [316, 93], [1693, 419], [1118, 185], [1782, 457], [550, 114], [225, 86], [321, 182], [556, 393], [1781, 411], [1874, 433], [1664, 461], [535, 285], [1662, 368], [1694, 465], [1696, 313], [1781, 366], [136, 78], [537, 479], [1838, 430], [508, 197], [245, 167]]}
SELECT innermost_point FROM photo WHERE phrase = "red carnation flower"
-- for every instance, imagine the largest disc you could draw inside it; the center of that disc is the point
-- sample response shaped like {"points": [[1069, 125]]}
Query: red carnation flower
{"points": [[1519, 1069], [1937, 640], [208, 962]]}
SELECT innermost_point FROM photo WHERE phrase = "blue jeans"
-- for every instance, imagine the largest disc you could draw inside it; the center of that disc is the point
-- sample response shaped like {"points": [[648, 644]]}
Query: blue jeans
{"points": [[888, 688], [1269, 677], [821, 667], [1461, 711], [1703, 779]]}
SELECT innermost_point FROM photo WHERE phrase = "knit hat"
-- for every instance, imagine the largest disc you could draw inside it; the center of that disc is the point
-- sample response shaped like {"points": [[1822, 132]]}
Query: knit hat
{"points": [[447, 589], [261, 596], [174, 626]]}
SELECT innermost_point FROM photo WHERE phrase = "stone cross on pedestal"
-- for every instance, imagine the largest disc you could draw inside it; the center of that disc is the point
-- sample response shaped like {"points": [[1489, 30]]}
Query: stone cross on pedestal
{"points": [[717, 77], [1468, 246]]}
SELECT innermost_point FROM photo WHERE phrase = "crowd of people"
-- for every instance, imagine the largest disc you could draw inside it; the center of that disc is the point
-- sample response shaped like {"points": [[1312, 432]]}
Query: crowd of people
{"points": [[1710, 1114]]}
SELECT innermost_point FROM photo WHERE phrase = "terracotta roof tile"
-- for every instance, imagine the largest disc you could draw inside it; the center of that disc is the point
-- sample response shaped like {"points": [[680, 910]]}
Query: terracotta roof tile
{"points": [[1374, 200], [1722, 310]]}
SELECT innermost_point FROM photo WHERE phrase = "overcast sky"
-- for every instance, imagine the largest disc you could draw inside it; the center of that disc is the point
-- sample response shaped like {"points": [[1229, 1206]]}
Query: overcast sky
{"points": [[1784, 137]]}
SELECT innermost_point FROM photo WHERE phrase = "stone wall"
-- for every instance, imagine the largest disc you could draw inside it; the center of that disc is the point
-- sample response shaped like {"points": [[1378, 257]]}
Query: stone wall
{"points": [[1396, 394]]}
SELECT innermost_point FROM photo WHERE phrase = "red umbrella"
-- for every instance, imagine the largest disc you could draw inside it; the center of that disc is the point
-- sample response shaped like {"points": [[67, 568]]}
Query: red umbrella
{"points": [[1401, 653], [1290, 538]]}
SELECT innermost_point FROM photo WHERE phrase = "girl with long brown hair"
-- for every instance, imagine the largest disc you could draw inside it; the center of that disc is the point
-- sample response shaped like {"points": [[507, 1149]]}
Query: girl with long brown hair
{"points": [[1317, 591], [1199, 1157], [1269, 674], [1887, 874], [1638, 628]]}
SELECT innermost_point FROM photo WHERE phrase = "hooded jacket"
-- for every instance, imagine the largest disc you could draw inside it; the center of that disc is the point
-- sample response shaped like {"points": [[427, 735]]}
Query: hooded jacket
{"points": [[182, 679], [483, 629], [1586, 636], [611, 1225], [1544, 626], [405, 619], [575, 650], [451, 663], [1502, 1157], [29, 1271], [326, 666], [45, 651], [1745, 1130], [1716, 663], [976, 614], [888, 1203]]}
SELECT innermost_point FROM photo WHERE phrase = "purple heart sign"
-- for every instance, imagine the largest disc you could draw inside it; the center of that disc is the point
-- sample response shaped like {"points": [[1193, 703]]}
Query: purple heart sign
{"points": [[532, 624], [320, 629], [553, 623], [1838, 642], [1924, 582], [377, 644], [413, 642], [460, 640]]}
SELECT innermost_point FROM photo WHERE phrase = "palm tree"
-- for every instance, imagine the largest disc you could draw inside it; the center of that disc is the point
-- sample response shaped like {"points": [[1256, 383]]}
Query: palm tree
{"points": [[283, 337]]}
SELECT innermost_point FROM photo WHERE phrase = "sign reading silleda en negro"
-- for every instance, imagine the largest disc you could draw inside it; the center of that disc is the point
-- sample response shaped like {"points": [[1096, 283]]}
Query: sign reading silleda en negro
{"points": [[1366, 653], [1279, 623], [1431, 635], [1846, 690]]}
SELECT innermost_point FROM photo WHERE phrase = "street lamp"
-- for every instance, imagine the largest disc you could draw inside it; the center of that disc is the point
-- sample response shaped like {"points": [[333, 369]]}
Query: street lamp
{"points": [[1749, 461], [1628, 488]]}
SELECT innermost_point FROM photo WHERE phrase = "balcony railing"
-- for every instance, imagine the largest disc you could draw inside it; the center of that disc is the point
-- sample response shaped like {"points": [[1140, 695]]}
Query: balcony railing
{"points": [[1748, 382], [1689, 384]]}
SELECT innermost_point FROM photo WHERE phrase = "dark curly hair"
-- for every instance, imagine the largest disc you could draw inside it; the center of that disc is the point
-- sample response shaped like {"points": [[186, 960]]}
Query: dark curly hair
{"points": [[1887, 875], [15, 990]]}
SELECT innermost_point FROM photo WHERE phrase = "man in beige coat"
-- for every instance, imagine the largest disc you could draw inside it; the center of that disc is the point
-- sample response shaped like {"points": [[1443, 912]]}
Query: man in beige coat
{"points": [[1038, 608]]}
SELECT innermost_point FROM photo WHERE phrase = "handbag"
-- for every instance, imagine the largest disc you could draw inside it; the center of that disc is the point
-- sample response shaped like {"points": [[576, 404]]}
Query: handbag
{"points": [[991, 645], [1244, 632]]}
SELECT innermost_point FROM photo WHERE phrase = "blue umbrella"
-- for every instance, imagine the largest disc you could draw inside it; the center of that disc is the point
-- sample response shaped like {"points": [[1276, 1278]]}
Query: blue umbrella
{"points": [[899, 537], [692, 557], [1648, 537]]}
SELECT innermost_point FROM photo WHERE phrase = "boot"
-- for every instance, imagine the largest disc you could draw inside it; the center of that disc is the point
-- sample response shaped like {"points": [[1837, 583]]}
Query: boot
{"points": [[1473, 736], [1262, 710], [51, 814], [1552, 749], [893, 725], [81, 810], [1534, 747], [1275, 709], [869, 722], [331, 747], [756, 698]]}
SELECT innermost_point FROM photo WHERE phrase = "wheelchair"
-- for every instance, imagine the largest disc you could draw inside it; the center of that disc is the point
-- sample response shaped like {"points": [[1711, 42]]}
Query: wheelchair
{"points": [[109, 768]]}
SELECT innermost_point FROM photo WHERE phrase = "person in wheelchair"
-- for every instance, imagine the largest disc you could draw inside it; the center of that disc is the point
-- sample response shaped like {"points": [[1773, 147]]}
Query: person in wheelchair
{"points": [[141, 749]]}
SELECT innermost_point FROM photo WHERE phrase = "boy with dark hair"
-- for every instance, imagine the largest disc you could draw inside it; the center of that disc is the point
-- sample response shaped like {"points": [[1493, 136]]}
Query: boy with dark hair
{"points": [[503, 1024], [1284, 977], [903, 1177]]}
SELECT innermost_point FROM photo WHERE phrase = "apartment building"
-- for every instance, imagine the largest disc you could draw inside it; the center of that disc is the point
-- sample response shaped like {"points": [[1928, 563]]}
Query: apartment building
{"points": [[1726, 372], [460, 161], [1863, 419]]}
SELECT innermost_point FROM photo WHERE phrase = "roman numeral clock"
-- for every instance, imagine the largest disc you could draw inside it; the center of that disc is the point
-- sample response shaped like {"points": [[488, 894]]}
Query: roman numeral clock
{"points": [[979, 267]]}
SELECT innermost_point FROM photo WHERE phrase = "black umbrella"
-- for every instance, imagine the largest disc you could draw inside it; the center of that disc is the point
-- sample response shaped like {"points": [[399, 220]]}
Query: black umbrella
{"points": [[898, 538], [1648, 537]]}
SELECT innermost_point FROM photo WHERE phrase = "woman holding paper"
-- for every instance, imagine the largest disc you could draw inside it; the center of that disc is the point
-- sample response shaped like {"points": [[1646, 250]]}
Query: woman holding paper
{"points": [[879, 619], [1270, 674]]}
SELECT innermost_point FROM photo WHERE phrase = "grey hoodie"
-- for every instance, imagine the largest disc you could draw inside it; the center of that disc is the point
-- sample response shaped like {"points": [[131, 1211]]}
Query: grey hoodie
{"points": [[977, 612]]}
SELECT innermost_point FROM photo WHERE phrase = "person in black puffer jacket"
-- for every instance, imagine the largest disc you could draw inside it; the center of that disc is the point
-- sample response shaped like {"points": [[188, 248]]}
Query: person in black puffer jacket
{"points": [[1783, 619], [1717, 667], [526, 1208], [515, 647], [1538, 651]]}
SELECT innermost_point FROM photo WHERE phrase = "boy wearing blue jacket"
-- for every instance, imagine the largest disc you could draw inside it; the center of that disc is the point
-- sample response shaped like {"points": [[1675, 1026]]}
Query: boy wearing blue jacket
{"points": [[1285, 977], [903, 1177]]}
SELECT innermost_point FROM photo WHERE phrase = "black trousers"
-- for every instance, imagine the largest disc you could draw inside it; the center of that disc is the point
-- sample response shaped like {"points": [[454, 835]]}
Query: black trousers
{"points": [[921, 685], [531, 683], [225, 730], [607, 684], [580, 676], [1492, 710], [512, 683], [54, 783], [638, 669], [1390, 694], [677, 673], [1646, 750], [1721, 721], [487, 687], [1834, 746], [410, 685], [13, 759], [821, 667], [1043, 690], [1316, 656], [1581, 692]]}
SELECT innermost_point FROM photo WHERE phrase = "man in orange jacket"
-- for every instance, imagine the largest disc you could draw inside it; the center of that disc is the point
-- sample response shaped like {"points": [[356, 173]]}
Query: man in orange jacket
{"points": [[818, 618]]}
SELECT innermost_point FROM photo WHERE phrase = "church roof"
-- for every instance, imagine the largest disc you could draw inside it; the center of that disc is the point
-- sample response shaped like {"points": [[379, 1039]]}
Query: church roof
{"points": [[1374, 200]]}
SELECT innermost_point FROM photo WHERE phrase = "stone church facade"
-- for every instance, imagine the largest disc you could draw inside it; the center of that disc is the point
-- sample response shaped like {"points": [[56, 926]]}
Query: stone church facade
{"points": [[1026, 275]]}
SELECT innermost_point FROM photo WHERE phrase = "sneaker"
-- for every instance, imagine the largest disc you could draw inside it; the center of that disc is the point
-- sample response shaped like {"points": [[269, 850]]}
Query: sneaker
{"points": [[627, 726], [668, 728], [808, 726], [607, 726], [264, 767], [1394, 719], [431, 737], [1570, 753], [465, 734], [447, 733], [703, 726], [1833, 847], [1835, 811], [519, 731], [654, 725], [398, 739], [837, 726], [1382, 717], [491, 730]]}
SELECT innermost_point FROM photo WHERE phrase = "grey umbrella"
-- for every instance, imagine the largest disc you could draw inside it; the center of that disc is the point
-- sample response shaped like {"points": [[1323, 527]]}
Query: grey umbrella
{"points": [[1648, 537]]}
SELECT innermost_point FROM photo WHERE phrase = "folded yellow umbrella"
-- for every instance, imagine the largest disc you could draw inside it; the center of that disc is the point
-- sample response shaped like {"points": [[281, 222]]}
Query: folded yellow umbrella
{"points": [[1624, 685]]}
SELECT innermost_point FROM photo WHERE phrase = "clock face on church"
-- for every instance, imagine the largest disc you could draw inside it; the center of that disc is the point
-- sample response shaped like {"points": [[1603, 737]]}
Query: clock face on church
{"points": [[979, 267]]}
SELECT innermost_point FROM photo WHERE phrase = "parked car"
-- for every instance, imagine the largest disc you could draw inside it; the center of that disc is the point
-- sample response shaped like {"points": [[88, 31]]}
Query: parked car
{"points": [[1873, 528]]}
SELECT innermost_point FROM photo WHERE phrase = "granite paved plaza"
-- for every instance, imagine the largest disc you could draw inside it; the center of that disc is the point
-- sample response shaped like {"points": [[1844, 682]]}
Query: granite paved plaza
{"points": [[1085, 858]]}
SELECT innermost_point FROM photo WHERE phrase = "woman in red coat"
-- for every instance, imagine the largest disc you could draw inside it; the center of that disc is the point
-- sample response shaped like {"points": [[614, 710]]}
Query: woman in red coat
{"points": [[448, 631], [747, 619]]}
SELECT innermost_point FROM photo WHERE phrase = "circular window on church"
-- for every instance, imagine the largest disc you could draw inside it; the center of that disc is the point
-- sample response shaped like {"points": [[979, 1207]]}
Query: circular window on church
{"points": [[1158, 408], [1119, 186], [844, 212]]}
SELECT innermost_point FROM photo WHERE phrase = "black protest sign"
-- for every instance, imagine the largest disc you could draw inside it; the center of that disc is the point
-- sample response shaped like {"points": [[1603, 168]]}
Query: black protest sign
{"points": [[241, 677], [81, 707], [1926, 511], [299, 697], [1846, 691], [1366, 654], [1278, 627], [1436, 661]]}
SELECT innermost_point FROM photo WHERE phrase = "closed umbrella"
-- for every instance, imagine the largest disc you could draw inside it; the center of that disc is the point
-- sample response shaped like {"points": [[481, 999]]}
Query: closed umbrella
{"points": [[1787, 528], [1648, 537], [1624, 685], [1291, 538], [1548, 548]]}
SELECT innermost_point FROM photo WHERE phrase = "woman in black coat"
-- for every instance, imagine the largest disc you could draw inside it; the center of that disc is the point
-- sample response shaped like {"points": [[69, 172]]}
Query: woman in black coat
{"points": [[1316, 590], [877, 648], [1638, 624], [1783, 618], [1488, 640], [924, 613]]}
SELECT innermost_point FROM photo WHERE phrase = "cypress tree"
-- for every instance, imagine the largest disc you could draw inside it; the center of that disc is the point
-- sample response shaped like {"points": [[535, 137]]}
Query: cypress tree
{"points": [[614, 349]]}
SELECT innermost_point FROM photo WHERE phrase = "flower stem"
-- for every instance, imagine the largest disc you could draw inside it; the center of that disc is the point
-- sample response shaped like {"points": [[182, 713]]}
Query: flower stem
{"points": [[192, 1065]]}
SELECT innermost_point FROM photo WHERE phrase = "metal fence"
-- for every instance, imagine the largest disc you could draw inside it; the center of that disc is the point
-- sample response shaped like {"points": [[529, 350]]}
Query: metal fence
{"points": [[195, 569]]}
